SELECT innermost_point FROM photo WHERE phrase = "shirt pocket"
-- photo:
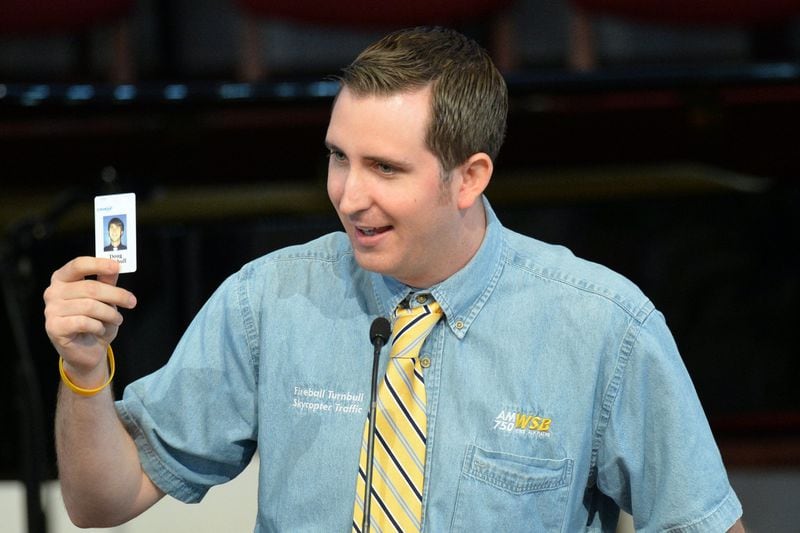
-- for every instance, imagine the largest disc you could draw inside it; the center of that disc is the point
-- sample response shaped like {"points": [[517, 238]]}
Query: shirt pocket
{"points": [[500, 491]]}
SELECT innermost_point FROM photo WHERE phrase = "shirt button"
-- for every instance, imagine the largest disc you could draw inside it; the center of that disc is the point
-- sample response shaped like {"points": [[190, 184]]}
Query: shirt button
{"points": [[422, 299], [425, 362], [459, 325]]}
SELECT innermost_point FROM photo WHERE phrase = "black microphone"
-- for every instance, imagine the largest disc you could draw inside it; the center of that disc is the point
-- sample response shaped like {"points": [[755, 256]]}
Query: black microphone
{"points": [[379, 333]]}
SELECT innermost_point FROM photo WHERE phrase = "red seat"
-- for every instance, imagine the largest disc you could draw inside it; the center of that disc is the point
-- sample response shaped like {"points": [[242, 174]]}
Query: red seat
{"points": [[746, 14], [695, 12], [44, 18], [369, 14], [27, 17]]}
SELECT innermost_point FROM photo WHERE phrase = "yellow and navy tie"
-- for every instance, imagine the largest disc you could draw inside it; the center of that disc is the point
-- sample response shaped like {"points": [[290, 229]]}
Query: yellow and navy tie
{"points": [[400, 429]]}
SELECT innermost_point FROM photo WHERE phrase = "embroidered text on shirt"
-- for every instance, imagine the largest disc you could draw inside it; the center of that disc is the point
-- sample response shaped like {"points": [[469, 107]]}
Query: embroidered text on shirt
{"points": [[523, 423]]}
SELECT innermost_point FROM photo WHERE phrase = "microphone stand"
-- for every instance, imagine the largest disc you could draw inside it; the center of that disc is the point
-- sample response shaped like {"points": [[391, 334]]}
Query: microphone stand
{"points": [[378, 333], [32, 427], [17, 284]]}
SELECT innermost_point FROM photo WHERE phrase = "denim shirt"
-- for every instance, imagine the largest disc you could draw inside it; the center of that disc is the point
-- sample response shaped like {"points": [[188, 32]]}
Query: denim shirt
{"points": [[556, 396]]}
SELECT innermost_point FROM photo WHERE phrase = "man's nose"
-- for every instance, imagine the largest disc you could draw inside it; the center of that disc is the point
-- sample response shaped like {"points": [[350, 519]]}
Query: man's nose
{"points": [[355, 192]]}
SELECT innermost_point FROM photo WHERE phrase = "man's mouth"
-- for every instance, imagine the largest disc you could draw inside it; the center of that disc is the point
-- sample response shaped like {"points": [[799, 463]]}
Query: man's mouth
{"points": [[370, 231]]}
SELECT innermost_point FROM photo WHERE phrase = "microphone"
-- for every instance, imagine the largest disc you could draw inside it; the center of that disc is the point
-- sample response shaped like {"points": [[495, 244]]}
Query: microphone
{"points": [[379, 333]]}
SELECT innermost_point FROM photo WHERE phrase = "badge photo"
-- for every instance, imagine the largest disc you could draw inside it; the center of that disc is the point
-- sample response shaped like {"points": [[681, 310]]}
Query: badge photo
{"points": [[115, 229]]}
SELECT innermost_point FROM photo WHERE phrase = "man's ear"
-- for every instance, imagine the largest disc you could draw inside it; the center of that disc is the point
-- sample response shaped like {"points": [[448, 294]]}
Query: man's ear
{"points": [[475, 174]]}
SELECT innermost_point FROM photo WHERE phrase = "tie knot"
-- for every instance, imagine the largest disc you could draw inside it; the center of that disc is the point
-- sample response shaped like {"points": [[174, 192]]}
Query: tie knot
{"points": [[412, 326]]}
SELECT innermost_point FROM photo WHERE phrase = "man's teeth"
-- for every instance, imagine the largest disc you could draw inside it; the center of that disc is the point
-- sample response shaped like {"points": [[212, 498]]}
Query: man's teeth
{"points": [[368, 231]]}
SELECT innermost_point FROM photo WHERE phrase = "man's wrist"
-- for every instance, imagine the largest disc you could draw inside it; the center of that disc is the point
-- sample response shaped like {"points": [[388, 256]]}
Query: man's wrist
{"points": [[86, 391]]}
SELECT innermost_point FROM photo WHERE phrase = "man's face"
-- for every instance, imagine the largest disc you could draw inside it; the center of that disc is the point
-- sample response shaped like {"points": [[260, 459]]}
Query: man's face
{"points": [[115, 233], [387, 189]]}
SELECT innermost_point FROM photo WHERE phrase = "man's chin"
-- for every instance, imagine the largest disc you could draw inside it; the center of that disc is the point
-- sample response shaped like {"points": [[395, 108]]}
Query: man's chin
{"points": [[372, 262]]}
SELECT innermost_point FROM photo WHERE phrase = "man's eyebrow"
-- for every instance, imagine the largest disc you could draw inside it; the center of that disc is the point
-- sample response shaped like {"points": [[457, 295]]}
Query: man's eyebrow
{"points": [[397, 163]]}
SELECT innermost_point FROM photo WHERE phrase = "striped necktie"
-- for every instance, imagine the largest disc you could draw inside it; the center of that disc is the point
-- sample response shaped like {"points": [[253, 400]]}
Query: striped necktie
{"points": [[400, 429]]}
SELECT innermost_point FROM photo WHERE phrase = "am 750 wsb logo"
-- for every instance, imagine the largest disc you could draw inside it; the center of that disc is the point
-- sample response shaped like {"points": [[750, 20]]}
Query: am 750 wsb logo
{"points": [[522, 422]]}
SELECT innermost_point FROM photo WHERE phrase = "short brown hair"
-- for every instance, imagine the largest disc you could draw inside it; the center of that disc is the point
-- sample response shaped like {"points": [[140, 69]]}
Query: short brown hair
{"points": [[470, 100]]}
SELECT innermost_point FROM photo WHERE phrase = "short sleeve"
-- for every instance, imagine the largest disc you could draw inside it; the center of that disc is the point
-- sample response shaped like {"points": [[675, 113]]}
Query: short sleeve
{"points": [[657, 457], [194, 420]]}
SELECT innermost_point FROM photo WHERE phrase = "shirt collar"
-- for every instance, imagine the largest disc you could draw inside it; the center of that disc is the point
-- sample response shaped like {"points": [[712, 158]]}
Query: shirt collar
{"points": [[463, 294]]}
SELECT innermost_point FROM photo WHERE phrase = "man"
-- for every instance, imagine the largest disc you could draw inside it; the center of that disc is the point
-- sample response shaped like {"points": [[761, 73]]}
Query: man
{"points": [[115, 230], [553, 390]]}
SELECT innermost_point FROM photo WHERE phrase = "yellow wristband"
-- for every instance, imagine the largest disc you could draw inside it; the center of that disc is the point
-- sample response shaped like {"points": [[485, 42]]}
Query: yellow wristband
{"points": [[88, 392]]}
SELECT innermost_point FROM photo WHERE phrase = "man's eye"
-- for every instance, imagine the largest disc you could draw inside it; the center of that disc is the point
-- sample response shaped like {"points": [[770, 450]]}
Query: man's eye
{"points": [[383, 168], [337, 156]]}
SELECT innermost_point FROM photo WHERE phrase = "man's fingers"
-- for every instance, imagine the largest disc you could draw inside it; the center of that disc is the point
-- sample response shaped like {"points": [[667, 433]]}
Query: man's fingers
{"points": [[64, 330], [69, 282], [97, 290], [87, 307], [67, 320], [108, 279], [82, 267], [81, 315], [91, 289]]}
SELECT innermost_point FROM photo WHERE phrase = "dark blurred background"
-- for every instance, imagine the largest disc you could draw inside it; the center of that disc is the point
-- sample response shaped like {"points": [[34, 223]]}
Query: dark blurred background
{"points": [[658, 138]]}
